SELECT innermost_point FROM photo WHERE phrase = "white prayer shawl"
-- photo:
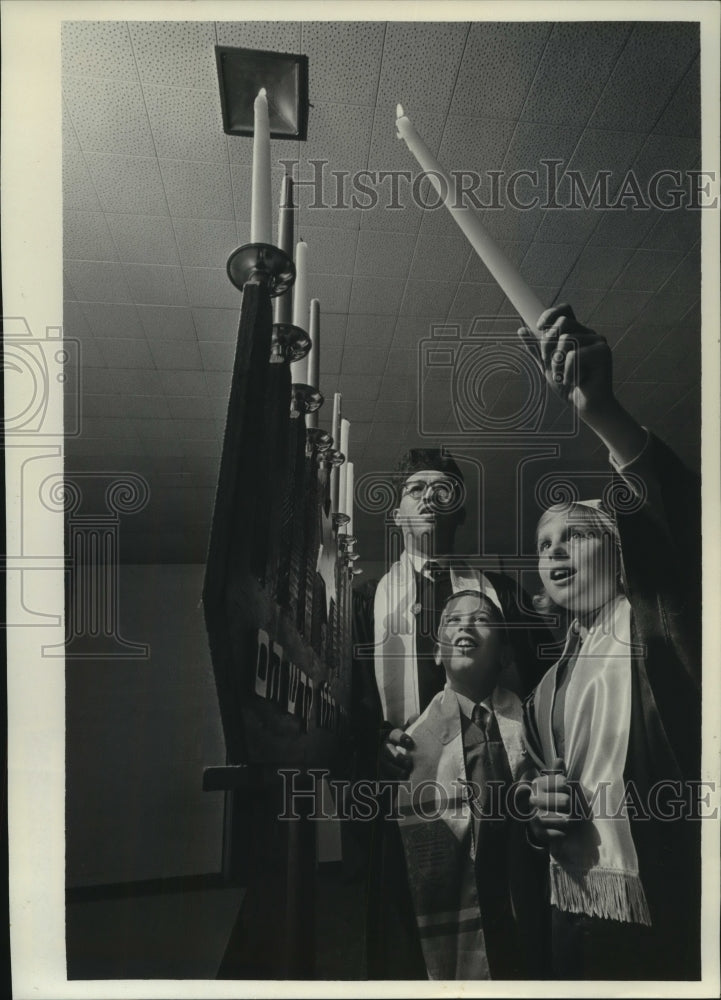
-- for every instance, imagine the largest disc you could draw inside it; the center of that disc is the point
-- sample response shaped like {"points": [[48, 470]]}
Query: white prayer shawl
{"points": [[595, 870], [396, 668], [437, 831]]}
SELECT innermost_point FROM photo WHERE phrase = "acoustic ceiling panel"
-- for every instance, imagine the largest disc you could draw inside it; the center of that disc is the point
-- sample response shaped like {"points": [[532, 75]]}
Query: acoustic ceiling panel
{"points": [[112, 118], [420, 63], [345, 58]]}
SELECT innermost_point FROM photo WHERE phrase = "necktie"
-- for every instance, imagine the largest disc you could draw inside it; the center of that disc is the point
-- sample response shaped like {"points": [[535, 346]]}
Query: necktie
{"points": [[433, 588]]}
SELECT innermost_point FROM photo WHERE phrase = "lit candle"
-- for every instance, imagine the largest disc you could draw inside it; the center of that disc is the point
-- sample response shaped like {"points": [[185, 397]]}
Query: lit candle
{"points": [[260, 208], [283, 304], [349, 483], [342, 486], [335, 433], [300, 290], [524, 300], [313, 376]]}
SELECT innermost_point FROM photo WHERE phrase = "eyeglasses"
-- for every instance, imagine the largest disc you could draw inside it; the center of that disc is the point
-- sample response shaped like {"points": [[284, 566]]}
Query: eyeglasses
{"points": [[441, 490]]}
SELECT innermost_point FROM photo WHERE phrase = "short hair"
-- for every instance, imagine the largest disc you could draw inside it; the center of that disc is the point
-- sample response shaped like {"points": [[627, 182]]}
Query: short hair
{"points": [[595, 516], [497, 613], [422, 459]]}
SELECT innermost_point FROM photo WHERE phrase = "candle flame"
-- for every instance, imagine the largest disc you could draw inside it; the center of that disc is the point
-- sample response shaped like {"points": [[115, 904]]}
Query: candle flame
{"points": [[399, 111]]}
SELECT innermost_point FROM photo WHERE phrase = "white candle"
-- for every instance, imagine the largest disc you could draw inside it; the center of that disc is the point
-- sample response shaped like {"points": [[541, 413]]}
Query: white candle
{"points": [[283, 304], [335, 432], [313, 376], [261, 204], [300, 289], [521, 296], [342, 486], [349, 496]]}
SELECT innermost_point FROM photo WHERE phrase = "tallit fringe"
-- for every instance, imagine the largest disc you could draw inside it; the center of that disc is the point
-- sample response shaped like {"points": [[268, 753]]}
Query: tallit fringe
{"points": [[600, 892]]}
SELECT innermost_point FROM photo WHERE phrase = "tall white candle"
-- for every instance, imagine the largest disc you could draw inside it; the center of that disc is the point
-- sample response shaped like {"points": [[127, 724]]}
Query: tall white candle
{"points": [[283, 304], [300, 289], [261, 204], [313, 375], [527, 303], [335, 433], [342, 486], [299, 369], [349, 483]]}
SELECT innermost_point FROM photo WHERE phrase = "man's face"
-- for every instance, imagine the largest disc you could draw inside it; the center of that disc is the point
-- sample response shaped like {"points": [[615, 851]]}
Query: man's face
{"points": [[471, 643], [429, 501]]}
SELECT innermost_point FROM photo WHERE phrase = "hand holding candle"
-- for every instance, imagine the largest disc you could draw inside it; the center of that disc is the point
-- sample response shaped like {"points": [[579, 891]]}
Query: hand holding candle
{"points": [[523, 298], [261, 204]]}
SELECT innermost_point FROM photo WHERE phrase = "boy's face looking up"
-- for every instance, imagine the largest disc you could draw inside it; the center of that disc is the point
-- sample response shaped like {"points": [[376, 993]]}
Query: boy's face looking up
{"points": [[472, 644]]}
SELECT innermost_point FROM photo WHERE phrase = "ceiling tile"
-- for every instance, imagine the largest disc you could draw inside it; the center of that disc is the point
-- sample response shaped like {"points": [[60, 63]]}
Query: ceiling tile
{"points": [[144, 239], [97, 281], [195, 429], [401, 387], [218, 384], [330, 361], [217, 324], [274, 36], [116, 320], [648, 68], [330, 251], [125, 383], [126, 353], [406, 219], [89, 354], [156, 430], [546, 295], [340, 135], [363, 361], [647, 270], [333, 291], [345, 61], [205, 448], [205, 242], [332, 328], [498, 65], [410, 330], [682, 114], [190, 407], [622, 227], [548, 263], [359, 386], [619, 307], [128, 184], [595, 47], [664, 152], [187, 383], [167, 322], [369, 331], [186, 124], [423, 297], [440, 258], [78, 189], [402, 361], [198, 190], [176, 355], [175, 53], [98, 49], [156, 284], [129, 405], [475, 300], [114, 427], [583, 301], [677, 230], [109, 115], [376, 296], [86, 237], [217, 356], [210, 286], [598, 267], [419, 64], [386, 254], [390, 410]]}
